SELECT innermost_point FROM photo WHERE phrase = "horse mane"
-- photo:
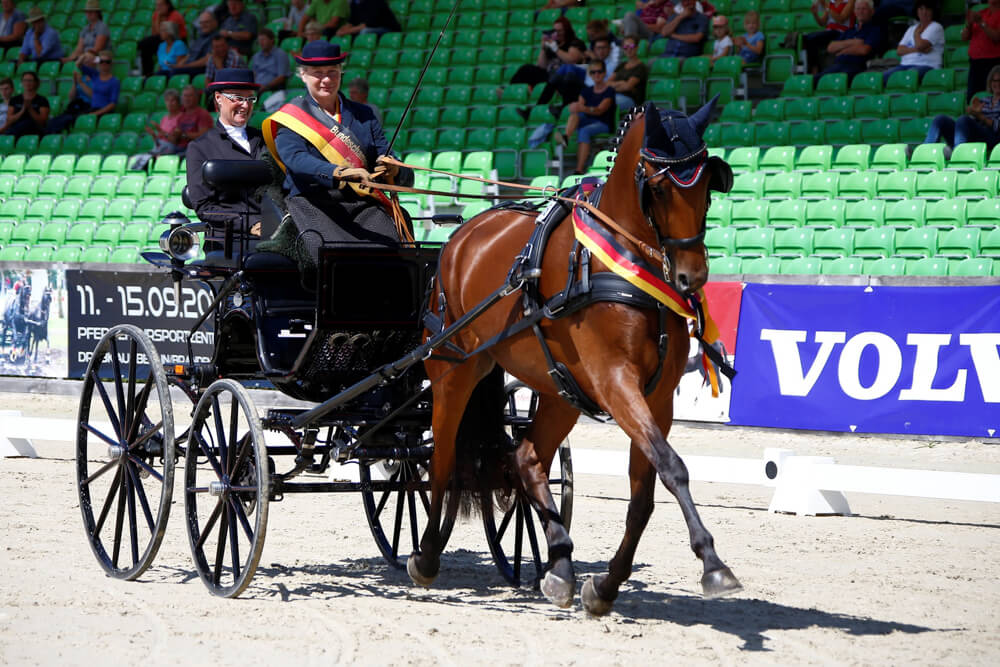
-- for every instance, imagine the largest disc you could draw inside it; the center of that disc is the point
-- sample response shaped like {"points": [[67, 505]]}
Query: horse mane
{"points": [[623, 127]]}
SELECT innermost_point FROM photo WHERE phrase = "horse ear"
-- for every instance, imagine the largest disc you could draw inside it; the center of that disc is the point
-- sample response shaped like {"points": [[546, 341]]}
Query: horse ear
{"points": [[699, 120], [656, 136]]}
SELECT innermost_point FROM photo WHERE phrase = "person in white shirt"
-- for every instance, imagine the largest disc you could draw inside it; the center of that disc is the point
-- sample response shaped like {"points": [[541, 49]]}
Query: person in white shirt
{"points": [[723, 44], [922, 47]]}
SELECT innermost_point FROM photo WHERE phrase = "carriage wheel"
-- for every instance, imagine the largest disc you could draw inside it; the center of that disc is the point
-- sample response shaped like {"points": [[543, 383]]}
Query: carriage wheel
{"points": [[226, 487], [516, 539], [127, 427], [397, 512]]}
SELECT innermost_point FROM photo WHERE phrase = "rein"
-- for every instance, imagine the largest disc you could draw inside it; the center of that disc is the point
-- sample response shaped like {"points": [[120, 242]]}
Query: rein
{"points": [[646, 249]]}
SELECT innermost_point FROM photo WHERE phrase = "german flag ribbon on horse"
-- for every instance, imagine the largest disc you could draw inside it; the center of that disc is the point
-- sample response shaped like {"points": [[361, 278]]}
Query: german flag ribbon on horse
{"points": [[639, 273], [334, 143]]}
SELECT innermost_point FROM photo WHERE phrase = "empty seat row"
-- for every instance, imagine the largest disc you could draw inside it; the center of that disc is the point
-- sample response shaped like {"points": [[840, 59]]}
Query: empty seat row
{"points": [[866, 185], [887, 266], [910, 105], [970, 156]]}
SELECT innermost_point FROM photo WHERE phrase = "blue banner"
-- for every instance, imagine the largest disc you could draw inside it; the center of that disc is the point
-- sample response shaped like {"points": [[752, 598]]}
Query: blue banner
{"points": [[922, 360]]}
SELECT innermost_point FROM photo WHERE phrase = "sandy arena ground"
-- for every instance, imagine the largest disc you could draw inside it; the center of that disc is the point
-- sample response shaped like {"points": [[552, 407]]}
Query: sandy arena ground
{"points": [[905, 581]]}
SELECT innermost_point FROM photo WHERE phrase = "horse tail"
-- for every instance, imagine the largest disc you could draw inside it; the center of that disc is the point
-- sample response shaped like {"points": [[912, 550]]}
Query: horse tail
{"points": [[484, 464]]}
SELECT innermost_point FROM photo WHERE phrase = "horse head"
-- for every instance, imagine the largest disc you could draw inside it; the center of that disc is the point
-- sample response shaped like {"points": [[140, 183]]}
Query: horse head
{"points": [[665, 163]]}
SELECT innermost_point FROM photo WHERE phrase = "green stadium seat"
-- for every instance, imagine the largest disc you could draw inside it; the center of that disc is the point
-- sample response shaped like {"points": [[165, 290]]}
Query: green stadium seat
{"points": [[754, 242], [820, 185], [961, 243], [908, 106], [771, 134], [108, 233], [903, 81], [948, 104], [53, 233], [812, 159], [969, 156], [927, 266], [88, 164], [736, 112], [889, 158], [66, 209], [721, 242], [871, 107], [808, 133], [844, 266], [778, 68], [726, 265], [917, 243], [770, 111], [877, 132], [6, 144], [989, 243], [838, 108], [51, 144], [786, 214], [983, 213], [866, 84], [864, 214], [81, 234], [843, 132], [945, 213], [896, 185], [833, 243], [95, 255], [26, 233], [977, 185], [777, 159], [13, 253], [13, 164], [831, 85], [86, 124], [27, 186], [744, 159], [39, 254], [40, 210], [75, 143], [134, 234], [78, 186], [938, 80], [104, 185], [747, 214], [119, 210], [67, 254], [127, 143], [719, 213], [885, 266], [101, 143], [851, 158], [114, 165], [927, 158], [972, 267], [905, 214], [993, 162], [874, 243], [748, 185], [799, 85], [110, 122], [801, 266], [6, 229], [783, 185], [937, 185], [795, 242], [38, 164], [761, 265], [801, 108], [857, 185], [92, 209]]}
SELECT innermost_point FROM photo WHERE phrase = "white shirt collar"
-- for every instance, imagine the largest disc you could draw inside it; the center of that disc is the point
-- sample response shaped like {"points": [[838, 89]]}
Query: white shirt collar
{"points": [[238, 134]]}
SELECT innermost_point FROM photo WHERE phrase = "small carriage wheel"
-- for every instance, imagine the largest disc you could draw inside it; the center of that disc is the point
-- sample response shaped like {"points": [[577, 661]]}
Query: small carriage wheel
{"points": [[515, 541], [226, 468], [396, 505], [131, 436]]}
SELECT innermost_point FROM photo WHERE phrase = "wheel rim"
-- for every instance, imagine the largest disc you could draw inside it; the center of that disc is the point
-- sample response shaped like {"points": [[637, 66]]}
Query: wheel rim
{"points": [[125, 452], [514, 540], [226, 488]]}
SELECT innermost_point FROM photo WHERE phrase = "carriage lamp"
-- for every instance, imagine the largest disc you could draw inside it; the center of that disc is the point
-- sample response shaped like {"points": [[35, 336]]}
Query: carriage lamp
{"points": [[181, 240]]}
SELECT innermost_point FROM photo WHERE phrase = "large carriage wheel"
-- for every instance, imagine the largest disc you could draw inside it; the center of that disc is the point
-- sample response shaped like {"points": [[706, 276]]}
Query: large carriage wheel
{"points": [[226, 487], [396, 501], [516, 540], [127, 426]]}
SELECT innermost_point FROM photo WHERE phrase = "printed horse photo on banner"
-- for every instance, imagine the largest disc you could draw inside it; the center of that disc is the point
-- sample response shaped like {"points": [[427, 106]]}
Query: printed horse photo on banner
{"points": [[33, 333]]}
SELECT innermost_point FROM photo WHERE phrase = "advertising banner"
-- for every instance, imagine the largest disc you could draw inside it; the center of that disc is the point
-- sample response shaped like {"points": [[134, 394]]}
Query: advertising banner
{"points": [[694, 400], [33, 328], [99, 300], [922, 360]]}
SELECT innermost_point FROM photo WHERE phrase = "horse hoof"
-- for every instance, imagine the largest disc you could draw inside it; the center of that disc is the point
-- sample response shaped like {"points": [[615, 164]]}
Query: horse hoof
{"points": [[592, 602], [718, 583], [414, 572], [557, 590]]}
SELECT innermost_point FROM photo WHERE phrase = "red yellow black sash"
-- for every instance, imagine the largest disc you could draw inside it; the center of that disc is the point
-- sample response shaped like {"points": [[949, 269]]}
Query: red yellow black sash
{"points": [[639, 273], [334, 145]]}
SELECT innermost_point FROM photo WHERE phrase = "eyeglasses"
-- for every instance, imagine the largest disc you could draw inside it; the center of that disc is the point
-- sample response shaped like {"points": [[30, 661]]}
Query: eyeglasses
{"points": [[239, 99], [325, 74], [596, 71]]}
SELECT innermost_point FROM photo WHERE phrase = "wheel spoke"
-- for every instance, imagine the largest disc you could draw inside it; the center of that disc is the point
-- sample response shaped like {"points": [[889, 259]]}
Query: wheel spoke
{"points": [[119, 389], [140, 408], [234, 416], [133, 525], [529, 523], [518, 540], [412, 501], [148, 468], [208, 454], [130, 394], [234, 543], [100, 471], [107, 406], [504, 523], [119, 519], [241, 515], [220, 547], [143, 501], [397, 524], [100, 435], [220, 436], [107, 501], [208, 525], [243, 452]]}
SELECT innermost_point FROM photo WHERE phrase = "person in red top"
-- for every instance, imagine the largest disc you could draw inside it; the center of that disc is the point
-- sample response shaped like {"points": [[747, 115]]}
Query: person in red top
{"points": [[164, 11], [835, 17], [982, 31]]}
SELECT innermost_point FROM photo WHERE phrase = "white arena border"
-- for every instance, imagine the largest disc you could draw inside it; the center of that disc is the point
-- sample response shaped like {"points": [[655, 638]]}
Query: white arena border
{"points": [[807, 485]]}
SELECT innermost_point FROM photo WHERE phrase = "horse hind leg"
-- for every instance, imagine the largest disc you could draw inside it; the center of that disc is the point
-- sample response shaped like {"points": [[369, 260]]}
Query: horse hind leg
{"points": [[552, 423]]}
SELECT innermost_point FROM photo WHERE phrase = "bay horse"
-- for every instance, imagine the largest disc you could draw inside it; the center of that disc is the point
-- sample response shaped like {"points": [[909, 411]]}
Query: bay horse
{"points": [[38, 325], [15, 320], [658, 195]]}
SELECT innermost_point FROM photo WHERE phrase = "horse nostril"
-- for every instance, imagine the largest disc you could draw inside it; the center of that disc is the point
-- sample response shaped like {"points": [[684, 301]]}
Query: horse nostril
{"points": [[682, 282]]}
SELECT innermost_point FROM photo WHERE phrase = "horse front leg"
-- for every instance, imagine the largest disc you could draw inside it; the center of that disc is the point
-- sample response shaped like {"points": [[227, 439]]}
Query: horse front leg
{"points": [[552, 423]]}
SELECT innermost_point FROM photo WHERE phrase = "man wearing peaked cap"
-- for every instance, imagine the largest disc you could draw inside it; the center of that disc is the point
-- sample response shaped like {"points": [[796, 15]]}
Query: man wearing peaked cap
{"points": [[329, 147], [235, 93], [41, 41]]}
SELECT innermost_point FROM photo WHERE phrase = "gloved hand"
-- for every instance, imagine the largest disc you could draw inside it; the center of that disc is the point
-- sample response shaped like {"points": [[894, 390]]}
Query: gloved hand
{"points": [[353, 174], [384, 171]]}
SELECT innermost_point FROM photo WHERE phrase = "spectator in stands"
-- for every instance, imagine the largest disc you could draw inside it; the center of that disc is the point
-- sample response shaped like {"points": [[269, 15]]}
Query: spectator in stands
{"points": [[13, 25], [240, 27], [559, 46], [982, 31], [570, 79], [685, 30], [750, 44], [922, 47], [313, 32], [981, 122], [369, 16], [593, 113], [357, 90], [200, 49], [597, 28], [6, 92], [171, 49], [95, 92], [723, 44], [270, 69], [166, 133], [292, 20], [223, 57], [630, 77], [647, 20], [194, 120], [28, 112], [41, 42], [835, 17], [561, 4], [94, 37], [329, 14], [853, 48], [164, 11]]}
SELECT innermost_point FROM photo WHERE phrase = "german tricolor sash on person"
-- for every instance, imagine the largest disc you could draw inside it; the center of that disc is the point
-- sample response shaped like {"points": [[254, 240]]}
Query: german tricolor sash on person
{"points": [[637, 272], [334, 142]]}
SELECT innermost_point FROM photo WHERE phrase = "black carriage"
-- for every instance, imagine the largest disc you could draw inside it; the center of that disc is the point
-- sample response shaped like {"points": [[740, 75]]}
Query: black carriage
{"points": [[347, 340]]}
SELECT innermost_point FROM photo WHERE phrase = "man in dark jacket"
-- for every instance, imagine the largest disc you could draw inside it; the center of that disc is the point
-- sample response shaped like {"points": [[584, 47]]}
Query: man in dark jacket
{"points": [[235, 93]]}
